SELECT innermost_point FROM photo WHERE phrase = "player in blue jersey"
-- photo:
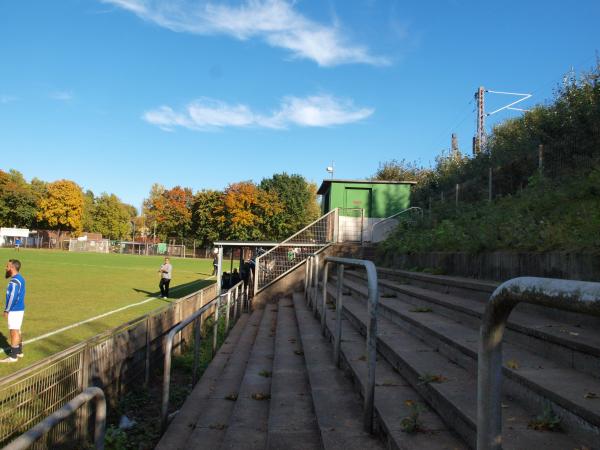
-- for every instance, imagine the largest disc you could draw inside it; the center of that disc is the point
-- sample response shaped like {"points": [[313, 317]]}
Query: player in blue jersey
{"points": [[14, 309]]}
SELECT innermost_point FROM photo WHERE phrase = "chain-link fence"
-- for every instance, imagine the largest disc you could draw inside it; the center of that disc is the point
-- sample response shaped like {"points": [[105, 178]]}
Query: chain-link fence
{"points": [[293, 251], [497, 177], [114, 361]]}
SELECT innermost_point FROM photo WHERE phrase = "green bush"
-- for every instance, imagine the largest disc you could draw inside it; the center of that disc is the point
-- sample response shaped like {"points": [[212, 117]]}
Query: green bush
{"points": [[548, 215]]}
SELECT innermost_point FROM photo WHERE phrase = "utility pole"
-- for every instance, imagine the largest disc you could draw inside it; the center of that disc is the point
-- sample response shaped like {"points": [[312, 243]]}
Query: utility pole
{"points": [[479, 140], [455, 150]]}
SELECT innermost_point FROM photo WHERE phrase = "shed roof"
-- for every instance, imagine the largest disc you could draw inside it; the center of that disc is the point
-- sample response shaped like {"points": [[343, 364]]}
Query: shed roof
{"points": [[326, 183], [245, 243]]}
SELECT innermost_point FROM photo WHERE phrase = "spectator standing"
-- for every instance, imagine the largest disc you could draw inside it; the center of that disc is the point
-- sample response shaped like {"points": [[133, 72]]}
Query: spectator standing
{"points": [[14, 309], [165, 271]]}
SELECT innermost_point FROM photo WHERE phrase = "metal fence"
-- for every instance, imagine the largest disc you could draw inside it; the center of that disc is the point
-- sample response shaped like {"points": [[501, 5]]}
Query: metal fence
{"points": [[290, 253], [311, 292], [380, 230], [493, 176], [113, 361]]}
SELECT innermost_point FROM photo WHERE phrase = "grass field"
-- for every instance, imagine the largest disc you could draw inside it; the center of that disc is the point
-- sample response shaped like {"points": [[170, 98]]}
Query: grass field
{"points": [[65, 288]]}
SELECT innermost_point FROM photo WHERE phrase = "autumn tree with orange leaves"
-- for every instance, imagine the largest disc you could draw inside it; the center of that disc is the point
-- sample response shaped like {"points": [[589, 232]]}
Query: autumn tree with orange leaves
{"points": [[248, 212], [172, 211]]}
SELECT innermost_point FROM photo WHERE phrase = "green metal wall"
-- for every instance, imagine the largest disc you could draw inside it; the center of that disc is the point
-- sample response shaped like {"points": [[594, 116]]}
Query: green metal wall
{"points": [[383, 199]]}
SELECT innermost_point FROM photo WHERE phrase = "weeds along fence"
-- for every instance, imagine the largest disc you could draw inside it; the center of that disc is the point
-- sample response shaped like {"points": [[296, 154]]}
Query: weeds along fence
{"points": [[115, 361], [488, 177]]}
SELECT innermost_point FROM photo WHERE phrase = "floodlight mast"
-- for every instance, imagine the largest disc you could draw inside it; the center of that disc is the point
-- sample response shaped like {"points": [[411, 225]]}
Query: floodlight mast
{"points": [[330, 169]]}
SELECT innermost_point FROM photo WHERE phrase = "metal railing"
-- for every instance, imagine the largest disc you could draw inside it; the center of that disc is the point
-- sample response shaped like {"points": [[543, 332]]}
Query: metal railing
{"points": [[387, 225], [114, 361], [239, 295], [575, 296], [27, 439], [292, 252], [372, 304]]}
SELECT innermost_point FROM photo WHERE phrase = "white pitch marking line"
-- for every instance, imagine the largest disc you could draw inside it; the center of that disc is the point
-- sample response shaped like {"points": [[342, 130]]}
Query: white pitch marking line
{"points": [[91, 319], [83, 322]]}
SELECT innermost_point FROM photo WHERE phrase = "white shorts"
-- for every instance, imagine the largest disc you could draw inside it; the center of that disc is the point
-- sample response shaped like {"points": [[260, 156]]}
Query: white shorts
{"points": [[15, 319]]}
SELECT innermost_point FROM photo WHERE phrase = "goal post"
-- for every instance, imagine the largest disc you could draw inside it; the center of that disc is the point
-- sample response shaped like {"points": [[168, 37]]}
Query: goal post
{"points": [[95, 246], [147, 249]]}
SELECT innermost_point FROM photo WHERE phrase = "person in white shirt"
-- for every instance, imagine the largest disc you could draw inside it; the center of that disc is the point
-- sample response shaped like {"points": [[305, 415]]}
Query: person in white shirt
{"points": [[165, 278]]}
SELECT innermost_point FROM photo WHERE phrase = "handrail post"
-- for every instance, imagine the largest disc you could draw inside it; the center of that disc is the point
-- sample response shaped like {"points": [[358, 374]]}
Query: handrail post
{"points": [[216, 327], [371, 343], [227, 310], [306, 270], [235, 303], [195, 318], [371, 338], [324, 299], [577, 296], [337, 342], [316, 285], [255, 275], [166, 381], [197, 342], [308, 290]]}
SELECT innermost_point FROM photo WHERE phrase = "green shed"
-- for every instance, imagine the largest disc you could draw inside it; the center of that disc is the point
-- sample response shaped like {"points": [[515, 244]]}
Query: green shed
{"points": [[363, 203]]}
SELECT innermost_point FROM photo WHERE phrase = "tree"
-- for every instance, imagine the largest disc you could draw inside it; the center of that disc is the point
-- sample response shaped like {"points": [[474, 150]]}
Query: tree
{"points": [[18, 202], [247, 212], [207, 226], [89, 205], [403, 170], [172, 211], [62, 208], [149, 208], [111, 217], [298, 199]]}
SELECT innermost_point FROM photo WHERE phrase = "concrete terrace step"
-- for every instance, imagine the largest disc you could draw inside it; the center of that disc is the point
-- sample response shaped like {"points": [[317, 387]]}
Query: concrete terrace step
{"points": [[231, 357], [454, 398], [534, 380], [247, 426], [478, 290], [292, 422], [337, 406], [574, 346], [393, 398]]}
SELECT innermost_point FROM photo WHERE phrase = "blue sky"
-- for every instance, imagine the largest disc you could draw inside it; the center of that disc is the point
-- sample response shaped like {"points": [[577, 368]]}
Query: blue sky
{"points": [[119, 94]]}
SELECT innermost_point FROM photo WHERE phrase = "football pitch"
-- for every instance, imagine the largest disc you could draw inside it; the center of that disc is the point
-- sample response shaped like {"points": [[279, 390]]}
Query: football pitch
{"points": [[64, 289]]}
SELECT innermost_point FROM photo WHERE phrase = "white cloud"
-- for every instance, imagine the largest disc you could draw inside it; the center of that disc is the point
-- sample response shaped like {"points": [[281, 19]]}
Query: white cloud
{"points": [[4, 99], [63, 96], [274, 21], [208, 114]]}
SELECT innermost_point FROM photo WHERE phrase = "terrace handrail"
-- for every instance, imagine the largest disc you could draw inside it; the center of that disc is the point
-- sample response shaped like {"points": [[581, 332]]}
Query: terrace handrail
{"points": [[371, 340], [27, 439], [393, 216], [196, 316], [567, 295], [288, 242]]}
